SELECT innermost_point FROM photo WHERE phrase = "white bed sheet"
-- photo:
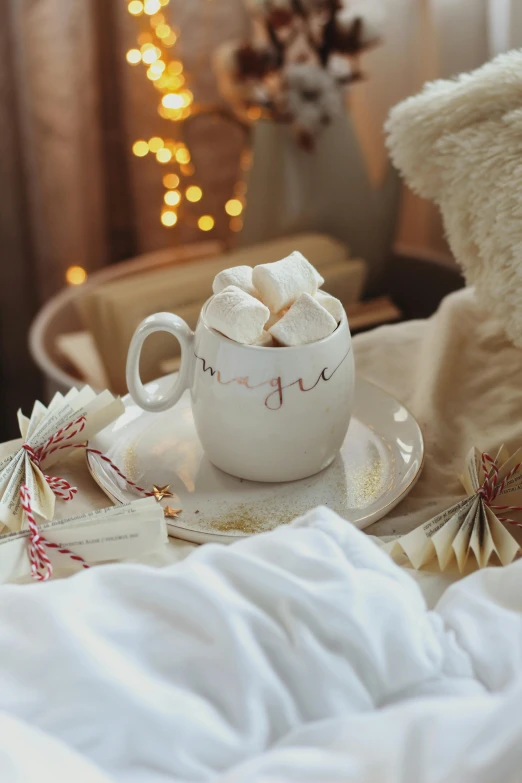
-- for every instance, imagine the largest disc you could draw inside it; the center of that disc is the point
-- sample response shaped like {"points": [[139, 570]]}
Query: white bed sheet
{"points": [[300, 655]]}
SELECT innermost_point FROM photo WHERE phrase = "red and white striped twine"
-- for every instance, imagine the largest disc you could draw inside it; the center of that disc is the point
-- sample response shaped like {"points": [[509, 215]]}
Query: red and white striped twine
{"points": [[41, 566], [490, 489]]}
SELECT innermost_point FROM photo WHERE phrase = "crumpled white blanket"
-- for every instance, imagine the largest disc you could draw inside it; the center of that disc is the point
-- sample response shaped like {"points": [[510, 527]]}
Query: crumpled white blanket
{"points": [[301, 655]]}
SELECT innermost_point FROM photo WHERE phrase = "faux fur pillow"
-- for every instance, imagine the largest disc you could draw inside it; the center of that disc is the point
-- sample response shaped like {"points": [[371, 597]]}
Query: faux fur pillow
{"points": [[459, 143]]}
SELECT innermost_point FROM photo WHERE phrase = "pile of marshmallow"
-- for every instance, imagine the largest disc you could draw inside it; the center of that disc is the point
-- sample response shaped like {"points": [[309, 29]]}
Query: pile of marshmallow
{"points": [[272, 305]]}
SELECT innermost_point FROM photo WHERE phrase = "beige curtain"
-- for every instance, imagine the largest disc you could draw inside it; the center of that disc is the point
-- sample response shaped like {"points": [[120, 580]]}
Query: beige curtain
{"points": [[424, 40]]}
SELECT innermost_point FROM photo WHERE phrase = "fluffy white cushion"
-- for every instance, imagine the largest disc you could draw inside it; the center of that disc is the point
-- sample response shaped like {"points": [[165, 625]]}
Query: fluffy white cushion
{"points": [[459, 143]]}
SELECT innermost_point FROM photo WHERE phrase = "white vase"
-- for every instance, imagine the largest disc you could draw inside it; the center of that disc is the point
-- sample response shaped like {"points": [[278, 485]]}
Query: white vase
{"points": [[328, 190]]}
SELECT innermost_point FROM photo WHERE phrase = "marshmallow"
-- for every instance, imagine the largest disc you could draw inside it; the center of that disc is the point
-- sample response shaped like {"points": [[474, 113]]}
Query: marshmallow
{"points": [[240, 276], [280, 283], [237, 315], [305, 322], [274, 318], [331, 304], [266, 340]]}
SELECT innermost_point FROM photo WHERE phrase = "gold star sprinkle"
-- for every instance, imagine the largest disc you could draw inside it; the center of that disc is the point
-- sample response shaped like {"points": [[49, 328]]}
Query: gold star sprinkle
{"points": [[171, 513], [161, 492]]}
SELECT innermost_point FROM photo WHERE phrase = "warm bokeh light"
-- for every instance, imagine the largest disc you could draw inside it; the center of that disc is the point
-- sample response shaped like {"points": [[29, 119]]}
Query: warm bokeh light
{"points": [[133, 56], [140, 148], [163, 30], [187, 97], [183, 155], [157, 67], [156, 20], [171, 180], [149, 54], [76, 275], [236, 224], [152, 75], [187, 169], [246, 160], [164, 2], [155, 143], [233, 207], [135, 7], [144, 38], [169, 218], [175, 67], [170, 39], [163, 155], [206, 222], [172, 101], [254, 113], [152, 7], [193, 193], [172, 198]]}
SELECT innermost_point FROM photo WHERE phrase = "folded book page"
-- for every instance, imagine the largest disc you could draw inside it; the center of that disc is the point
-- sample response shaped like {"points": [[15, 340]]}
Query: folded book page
{"points": [[477, 530], [48, 434], [116, 533]]}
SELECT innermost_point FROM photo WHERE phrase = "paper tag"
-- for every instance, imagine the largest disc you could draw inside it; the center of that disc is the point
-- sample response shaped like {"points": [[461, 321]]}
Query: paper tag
{"points": [[117, 533]]}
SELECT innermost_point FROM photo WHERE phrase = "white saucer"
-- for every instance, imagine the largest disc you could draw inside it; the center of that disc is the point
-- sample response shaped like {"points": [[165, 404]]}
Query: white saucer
{"points": [[379, 463]]}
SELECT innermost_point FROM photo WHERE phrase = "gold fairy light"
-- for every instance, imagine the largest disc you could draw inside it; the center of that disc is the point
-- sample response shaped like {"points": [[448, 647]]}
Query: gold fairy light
{"points": [[169, 218], [133, 56], [163, 155], [172, 101], [171, 180], [151, 7], [163, 30], [140, 148], [233, 207], [155, 144], [135, 7], [193, 193], [76, 275], [175, 103], [183, 155], [172, 198], [206, 223]]}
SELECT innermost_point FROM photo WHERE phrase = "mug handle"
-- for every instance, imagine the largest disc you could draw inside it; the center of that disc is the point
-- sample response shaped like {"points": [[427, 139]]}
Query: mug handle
{"points": [[161, 401]]}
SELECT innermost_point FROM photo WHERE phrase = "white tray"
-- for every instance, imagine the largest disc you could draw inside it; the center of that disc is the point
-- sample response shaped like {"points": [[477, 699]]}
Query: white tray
{"points": [[379, 463]]}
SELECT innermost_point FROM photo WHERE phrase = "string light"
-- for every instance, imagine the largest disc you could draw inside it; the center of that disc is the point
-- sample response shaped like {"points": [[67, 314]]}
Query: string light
{"points": [[163, 155], [76, 275], [172, 197], [172, 101], [183, 155], [171, 180], [163, 30], [233, 207], [140, 148], [133, 56], [169, 218], [135, 7], [193, 193], [206, 222], [175, 104], [175, 67], [155, 144], [152, 7]]}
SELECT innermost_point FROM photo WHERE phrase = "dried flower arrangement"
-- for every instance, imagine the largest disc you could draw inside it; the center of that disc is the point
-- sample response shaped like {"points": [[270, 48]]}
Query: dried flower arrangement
{"points": [[301, 56]]}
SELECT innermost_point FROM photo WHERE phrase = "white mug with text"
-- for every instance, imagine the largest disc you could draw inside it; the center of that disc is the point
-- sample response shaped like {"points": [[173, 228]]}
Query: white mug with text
{"points": [[264, 414]]}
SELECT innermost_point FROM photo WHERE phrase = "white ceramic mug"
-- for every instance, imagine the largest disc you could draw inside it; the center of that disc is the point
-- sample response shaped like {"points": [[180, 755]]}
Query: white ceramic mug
{"points": [[264, 414]]}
